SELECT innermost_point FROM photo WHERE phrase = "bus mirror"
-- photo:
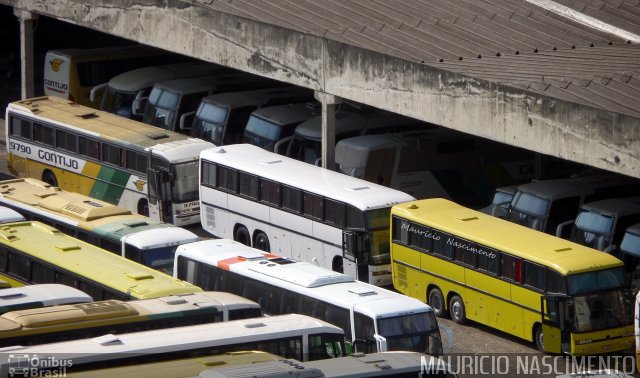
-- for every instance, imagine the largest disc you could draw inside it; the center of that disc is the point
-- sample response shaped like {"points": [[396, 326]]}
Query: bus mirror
{"points": [[95, 90], [381, 343], [561, 226], [610, 248], [280, 146], [186, 119]]}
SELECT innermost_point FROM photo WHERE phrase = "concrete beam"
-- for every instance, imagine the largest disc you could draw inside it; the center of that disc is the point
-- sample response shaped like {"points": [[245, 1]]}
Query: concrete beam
{"points": [[544, 124], [328, 148], [27, 84]]}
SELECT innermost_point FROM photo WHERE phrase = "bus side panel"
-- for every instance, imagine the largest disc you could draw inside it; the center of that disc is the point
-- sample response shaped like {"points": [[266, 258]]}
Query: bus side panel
{"points": [[530, 305], [438, 269], [497, 310], [476, 301], [280, 241], [327, 251], [213, 219]]}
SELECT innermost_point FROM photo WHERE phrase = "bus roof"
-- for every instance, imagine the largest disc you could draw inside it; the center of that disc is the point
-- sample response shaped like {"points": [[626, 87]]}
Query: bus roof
{"points": [[574, 186], [146, 77], [614, 206], [97, 216], [256, 97], [7, 215], [302, 277], [77, 316], [178, 339], [288, 114], [562, 255], [40, 295], [46, 243], [109, 126], [362, 194]]}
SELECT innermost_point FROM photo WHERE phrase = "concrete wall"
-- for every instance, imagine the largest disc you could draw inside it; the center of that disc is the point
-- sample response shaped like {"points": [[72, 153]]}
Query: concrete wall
{"points": [[547, 125]]}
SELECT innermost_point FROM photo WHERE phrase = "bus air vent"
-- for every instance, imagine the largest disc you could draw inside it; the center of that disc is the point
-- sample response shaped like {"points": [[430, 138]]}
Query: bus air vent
{"points": [[156, 136], [139, 275], [361, 291], [107, 339], [87, 115], [136, 223], [269, 162], [67, 248], [563, 249], [11, 293], [254, 325], [357, 188], [173, 300], [467, 219]]}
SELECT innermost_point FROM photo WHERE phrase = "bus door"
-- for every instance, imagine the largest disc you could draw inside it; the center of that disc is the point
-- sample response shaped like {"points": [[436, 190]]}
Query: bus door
{"points": [[159, 194], [354, 249], [556, 325]]}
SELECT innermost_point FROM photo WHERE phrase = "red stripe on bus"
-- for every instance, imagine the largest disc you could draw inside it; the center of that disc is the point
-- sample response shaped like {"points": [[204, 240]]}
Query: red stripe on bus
{"points": [[56, 90], [226, 263]]}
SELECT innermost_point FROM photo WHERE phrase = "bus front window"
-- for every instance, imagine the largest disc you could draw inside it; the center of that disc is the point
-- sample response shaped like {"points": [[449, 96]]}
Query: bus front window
{"points": [[262, 133], [528, 210], [160, 259], [415, 332], [117, 102], [161, 108], [602, 311], [184, 185], [210, 121], [593, 230], [377, 222]]}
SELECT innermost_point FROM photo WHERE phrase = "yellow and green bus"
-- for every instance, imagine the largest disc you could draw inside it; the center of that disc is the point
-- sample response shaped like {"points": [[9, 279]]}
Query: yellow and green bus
{"points": [[512, 278], [139, 167], [35, 253]]}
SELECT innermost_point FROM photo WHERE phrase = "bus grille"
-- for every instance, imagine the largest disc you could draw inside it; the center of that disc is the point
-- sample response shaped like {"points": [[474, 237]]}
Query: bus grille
{"points": [[401, 272], [210, 217]]}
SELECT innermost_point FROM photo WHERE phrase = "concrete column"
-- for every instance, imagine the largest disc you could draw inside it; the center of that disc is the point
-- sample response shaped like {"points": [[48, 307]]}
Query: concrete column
{"points": [[26, 51], [329, 103]]}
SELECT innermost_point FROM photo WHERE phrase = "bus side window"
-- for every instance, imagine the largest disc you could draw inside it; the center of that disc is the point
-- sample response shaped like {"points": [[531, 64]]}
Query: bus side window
{"points": [[19, 266], [41, 274], [3, 259]]}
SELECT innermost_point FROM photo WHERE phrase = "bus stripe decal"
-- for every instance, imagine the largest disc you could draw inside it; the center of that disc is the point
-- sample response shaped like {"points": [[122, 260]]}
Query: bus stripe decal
{"points": [[226, 263], [110, 184], [465, 285]]}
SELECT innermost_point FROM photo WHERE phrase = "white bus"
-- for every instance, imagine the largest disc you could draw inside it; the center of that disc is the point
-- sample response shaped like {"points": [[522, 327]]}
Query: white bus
{"points": [[40, 295], [144, 169], [290, 336], [295, 209], [374, 319]]}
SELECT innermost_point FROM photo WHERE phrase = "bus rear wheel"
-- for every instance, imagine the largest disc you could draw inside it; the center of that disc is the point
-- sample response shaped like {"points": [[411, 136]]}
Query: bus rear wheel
{"points": [[241, 235], [457, 310], [261, 242], [50, 178], [538, 338], [436, 301]]}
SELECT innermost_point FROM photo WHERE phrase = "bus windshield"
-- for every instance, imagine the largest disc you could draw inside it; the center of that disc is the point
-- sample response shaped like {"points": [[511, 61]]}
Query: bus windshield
{"points": [[160, 259], [118, 102], [417, 332], [591, 226], [209, 124], [528, 210], [584, 283], [184, 186], [161, 108], [602, 311], [631, 244], [262, 133]]}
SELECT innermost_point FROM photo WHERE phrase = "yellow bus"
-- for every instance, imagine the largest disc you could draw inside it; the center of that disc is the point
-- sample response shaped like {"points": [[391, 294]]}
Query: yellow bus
{"points": [[512, 278], [35, 253], [139, 167]]}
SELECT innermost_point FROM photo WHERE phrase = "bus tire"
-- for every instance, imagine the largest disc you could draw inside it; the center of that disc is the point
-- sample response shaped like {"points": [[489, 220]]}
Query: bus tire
{"points": [[242, 235], [261, 242], [538, 338], [436, 301], [457, 310], [143, 207], [49, 178]]}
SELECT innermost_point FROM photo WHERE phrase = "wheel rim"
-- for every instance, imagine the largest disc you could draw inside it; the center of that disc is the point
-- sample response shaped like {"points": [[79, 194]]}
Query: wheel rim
{"points": [[436, 303], [262, 243], [456, 309], [540, 340]]}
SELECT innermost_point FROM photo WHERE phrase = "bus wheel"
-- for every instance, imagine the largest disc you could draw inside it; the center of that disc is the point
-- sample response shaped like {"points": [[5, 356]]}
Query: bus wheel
{"points": [[538, 338], [436, 301], [261, 242], [241, 235], [50, 178], [456, 308], [143, 207]]}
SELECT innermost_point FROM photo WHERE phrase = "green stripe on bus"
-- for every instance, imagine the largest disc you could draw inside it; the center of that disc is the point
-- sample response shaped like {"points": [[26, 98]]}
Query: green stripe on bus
{"points": [[109, 185]]}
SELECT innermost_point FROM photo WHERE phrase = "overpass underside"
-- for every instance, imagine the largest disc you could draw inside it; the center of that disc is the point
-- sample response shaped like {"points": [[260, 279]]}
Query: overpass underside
{"points": [[516, 116]]}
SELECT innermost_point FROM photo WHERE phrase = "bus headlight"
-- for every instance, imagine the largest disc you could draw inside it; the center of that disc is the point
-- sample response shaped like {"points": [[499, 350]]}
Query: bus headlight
{"points": [[583, 342]]}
